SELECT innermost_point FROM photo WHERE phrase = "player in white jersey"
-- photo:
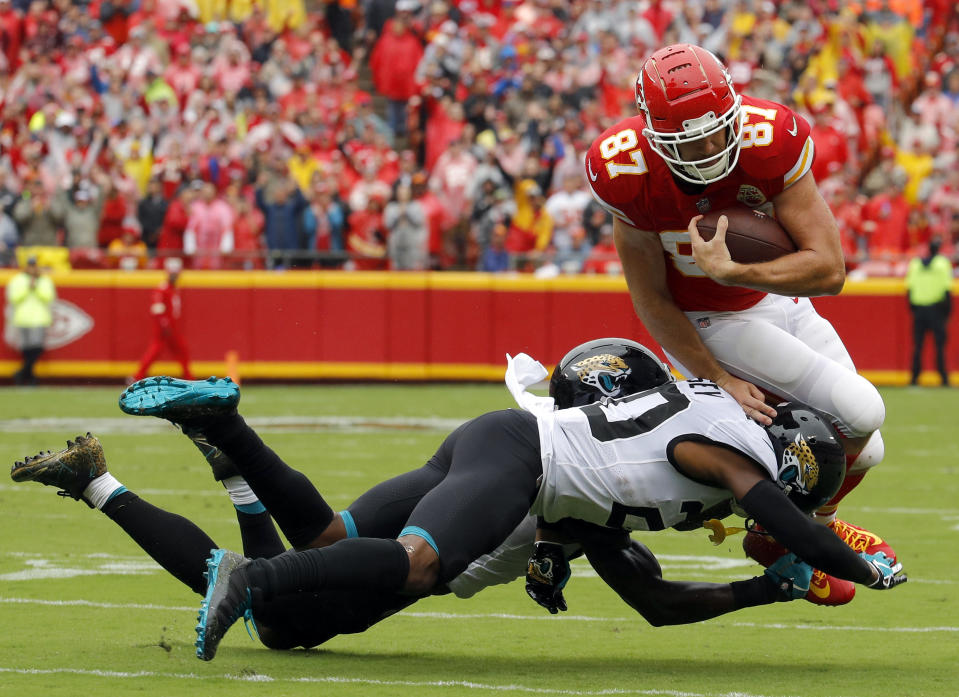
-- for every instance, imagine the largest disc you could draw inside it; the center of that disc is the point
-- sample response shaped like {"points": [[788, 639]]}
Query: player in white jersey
{"points": [[609, 367], [609, 463], [494, 471]]}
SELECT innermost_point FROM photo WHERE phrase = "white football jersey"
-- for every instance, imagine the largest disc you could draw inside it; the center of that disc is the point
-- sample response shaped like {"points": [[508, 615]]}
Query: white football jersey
{"points": [[608, 463]]}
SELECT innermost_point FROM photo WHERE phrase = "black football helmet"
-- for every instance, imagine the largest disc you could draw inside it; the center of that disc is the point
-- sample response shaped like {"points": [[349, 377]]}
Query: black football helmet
{"points": [[812, 463], [605, 368]]}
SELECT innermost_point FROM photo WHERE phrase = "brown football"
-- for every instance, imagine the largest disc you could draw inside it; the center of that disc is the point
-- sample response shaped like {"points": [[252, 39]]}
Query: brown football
{"points": [[751, 237]]}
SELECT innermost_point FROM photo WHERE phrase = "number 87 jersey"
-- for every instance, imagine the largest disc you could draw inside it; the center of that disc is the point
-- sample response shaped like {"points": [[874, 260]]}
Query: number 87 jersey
{"points": [[610, 463], [632, 181]]}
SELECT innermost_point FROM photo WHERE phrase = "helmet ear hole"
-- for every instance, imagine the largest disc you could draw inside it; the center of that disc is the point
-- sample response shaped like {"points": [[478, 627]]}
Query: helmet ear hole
{"points": [[605, 368]]}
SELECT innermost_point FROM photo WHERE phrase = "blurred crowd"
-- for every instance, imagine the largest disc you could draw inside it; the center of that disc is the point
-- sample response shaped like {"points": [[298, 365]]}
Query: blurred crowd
{"points": [[433, 134]]}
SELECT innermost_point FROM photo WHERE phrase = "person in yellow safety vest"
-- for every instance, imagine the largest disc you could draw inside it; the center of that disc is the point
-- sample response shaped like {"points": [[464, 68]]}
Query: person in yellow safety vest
{"points": [[928, 282], [30, 294]]}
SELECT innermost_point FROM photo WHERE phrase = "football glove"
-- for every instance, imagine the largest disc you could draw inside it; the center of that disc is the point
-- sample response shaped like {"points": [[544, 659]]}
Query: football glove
{"points": [[890, 571], [546, 575], [791, 575]]}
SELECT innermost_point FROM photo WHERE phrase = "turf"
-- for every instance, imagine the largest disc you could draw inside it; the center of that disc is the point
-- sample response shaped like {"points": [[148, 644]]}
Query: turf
{"points": [[85, 612]]}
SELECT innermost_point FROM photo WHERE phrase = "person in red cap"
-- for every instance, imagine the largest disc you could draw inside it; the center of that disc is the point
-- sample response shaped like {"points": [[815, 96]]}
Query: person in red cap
{"points": [[165, 308]]}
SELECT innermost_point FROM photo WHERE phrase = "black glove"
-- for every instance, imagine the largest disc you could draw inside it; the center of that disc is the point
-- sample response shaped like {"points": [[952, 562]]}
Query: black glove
{"points": [[546, 575], [890, 572]]}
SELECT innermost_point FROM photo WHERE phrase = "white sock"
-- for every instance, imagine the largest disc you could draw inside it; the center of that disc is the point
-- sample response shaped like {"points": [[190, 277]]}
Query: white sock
{"points": [[240, 492], [101, 489]]}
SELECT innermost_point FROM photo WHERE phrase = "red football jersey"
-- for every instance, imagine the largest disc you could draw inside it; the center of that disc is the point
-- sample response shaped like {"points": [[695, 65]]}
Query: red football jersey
{"points": [[165, 305], [633, 182]]}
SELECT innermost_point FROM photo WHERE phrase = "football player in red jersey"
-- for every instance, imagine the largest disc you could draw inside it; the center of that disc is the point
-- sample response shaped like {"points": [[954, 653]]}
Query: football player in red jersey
{"points": [[697, 146], [165, 311]]}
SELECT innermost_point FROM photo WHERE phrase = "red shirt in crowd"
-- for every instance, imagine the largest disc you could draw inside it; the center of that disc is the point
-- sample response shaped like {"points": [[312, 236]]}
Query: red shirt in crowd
{"points": [[111, 220], [393, 62], [886, 221], [832, 151]]}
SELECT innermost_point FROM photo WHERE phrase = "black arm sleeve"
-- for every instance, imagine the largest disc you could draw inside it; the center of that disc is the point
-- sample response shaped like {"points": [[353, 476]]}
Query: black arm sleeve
{"points": [[815, 544], [634, 573]]}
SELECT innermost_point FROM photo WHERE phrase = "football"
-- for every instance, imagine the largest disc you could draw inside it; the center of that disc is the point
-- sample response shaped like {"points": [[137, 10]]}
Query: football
{"points": [[752, 236]]}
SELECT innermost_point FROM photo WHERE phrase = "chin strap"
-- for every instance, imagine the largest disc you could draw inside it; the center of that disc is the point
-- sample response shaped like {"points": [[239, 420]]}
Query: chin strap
{"points": [[720, 532]]}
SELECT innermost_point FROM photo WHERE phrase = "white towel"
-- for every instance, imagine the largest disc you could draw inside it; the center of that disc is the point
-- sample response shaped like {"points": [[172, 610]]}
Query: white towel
{"points": [[522, 372]]}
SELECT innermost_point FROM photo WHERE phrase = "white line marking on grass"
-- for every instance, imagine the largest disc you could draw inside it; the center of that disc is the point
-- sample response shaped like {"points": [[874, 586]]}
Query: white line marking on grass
{"points": [[845, 628], [354, 424], [334, 679], [90, 603], [950, 512], [489, 616]]}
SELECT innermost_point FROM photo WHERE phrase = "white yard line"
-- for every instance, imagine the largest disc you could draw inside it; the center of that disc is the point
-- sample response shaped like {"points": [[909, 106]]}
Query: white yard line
{"points": [[493, 616], [340, 680], [130, 425]]}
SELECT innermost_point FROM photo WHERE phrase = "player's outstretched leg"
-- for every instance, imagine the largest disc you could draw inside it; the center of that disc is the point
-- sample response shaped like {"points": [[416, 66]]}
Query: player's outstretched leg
{"points": [[823, 588], [181, 400], [71, 470], [227, 600]]}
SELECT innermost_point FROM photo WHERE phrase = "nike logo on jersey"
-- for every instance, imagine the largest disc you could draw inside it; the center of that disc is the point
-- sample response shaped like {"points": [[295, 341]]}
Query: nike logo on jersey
{"points": [[592, 174], [794, 130]]}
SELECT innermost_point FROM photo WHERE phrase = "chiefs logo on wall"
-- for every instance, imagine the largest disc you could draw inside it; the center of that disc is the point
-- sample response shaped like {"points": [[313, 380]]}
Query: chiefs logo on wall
{"points": [[69, 323]]}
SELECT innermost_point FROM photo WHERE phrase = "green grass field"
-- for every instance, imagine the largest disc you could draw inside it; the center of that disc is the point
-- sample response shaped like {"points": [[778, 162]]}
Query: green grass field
{"points": [[85, 612]]}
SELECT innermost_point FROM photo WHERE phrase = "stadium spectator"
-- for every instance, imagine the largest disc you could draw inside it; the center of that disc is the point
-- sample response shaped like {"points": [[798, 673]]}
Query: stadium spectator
{"points": [[282, 204], [209, 229], [248, 226], [34, 217], [566, 208], [367, 238], [9, 237], [603, 258], [113, 209], [452, 181], [324, 225], [494, 257], [393, 61], [572, 259], [151, 212], [832, 150], [408, 241], [541, 79], [78, 210], [170, 240], [885, 220], [128, 252]]}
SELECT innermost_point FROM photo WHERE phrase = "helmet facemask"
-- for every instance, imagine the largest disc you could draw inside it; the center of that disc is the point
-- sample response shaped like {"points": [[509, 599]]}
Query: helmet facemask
{"points": [[686, 94], [706, 170]]}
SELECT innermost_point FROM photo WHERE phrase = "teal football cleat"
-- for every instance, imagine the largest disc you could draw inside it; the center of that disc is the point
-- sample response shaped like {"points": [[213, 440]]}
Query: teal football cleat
{"points": [[70, 469], [227, 600], [181, 400]]}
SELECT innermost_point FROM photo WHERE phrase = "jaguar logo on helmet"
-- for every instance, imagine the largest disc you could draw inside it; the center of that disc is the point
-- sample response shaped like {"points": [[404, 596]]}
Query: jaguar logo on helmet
{"points": [[798, 456], [605, 368], [812, 463], [605, 372]]}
